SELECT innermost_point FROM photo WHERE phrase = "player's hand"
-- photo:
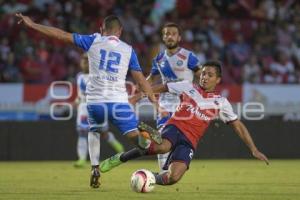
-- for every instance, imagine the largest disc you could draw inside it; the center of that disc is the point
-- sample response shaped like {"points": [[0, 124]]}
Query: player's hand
{"points": [[135, 98], [137, 88], [24, 19], [257, 154]]}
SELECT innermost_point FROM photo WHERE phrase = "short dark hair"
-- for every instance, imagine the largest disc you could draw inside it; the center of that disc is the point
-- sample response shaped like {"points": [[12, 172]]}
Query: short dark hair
{"points": [[215, 64], [111, 22], [171, 24]]}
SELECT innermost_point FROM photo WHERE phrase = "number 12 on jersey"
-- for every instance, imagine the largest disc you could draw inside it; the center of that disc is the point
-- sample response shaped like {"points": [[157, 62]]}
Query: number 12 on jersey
{"points": [[109, 62]]}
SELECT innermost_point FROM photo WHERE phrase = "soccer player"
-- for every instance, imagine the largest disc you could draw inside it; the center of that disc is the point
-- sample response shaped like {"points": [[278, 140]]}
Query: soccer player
{"points": [[107, 99], [82, 125], [199, 105], [174, 63]]}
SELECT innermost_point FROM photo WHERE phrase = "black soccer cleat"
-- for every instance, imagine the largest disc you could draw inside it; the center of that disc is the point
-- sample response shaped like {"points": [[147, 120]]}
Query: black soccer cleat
{"points": [[153, 133], [95, 176]]}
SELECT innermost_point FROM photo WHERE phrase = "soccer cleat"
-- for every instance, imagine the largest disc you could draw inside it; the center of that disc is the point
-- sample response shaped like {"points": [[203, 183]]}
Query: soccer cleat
{"points": [[80, 163], [154, 134], [95, 176], [110, 163]]}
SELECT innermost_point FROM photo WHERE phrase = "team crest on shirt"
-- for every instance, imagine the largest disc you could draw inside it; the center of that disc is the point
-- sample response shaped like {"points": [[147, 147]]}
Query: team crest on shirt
{"points": [[179, 63]]}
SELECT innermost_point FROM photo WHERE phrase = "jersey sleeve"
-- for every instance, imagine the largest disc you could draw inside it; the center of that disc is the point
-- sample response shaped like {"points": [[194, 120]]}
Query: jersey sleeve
{"points": [[226, 113], [84, 41], [179, 87], [154, 69], [193, 62], [134, 62]]}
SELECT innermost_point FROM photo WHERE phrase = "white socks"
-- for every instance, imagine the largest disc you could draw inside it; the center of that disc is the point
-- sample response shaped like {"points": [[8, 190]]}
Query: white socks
{"points": [[94, 147], [162, 158], [82, 147]]}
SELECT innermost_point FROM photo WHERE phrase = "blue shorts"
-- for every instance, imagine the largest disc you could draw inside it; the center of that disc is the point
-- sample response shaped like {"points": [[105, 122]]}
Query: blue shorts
{"points": [[119, 114], [160, 121], [83, 126], [181, 150]]}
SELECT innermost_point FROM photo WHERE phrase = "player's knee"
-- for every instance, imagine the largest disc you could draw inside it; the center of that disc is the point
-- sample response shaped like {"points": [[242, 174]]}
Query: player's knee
{"points": [[175, 176]]}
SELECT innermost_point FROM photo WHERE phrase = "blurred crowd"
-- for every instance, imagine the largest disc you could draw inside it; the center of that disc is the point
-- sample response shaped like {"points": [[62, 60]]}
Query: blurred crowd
{"points": [[258, 41]]}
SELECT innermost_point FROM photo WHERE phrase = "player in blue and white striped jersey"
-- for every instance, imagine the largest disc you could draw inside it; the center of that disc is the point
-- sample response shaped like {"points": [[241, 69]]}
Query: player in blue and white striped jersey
{"points": [[82, 125]]}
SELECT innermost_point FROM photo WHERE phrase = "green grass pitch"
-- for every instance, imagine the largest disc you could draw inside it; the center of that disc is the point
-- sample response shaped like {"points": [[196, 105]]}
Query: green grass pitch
{"points": [[206, 179]]}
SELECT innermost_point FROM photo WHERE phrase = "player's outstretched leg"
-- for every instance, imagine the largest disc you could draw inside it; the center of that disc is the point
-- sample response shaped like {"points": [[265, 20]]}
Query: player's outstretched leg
{"points": [[153, 133], [151, 149], [110, 163], [95, 176]]}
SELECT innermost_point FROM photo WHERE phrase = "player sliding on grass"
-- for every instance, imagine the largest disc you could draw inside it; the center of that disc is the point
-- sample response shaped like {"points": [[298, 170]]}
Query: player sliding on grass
{"points": [[200, 104], [172, 64], [109, 61]]}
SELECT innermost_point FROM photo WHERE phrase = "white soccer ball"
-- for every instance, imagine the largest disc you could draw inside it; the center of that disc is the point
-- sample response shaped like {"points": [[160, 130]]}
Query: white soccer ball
{"points": [[142, 180]]}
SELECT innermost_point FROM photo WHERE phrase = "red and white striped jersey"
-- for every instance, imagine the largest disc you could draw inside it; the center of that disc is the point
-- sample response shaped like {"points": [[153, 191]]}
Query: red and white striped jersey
{"points": [[197, 109]]}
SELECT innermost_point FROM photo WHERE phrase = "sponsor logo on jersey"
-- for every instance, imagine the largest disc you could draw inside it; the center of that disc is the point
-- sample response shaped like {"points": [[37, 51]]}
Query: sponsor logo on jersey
{"points": [[179, 63], [197, 112], [183, 57]]}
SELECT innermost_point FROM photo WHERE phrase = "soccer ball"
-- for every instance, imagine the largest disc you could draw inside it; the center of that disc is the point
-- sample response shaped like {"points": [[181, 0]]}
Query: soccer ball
{"points": [[142, 180]]}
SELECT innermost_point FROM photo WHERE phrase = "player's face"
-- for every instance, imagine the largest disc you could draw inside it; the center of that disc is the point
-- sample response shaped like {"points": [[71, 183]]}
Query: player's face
{"points": [[171, 37], [209, 78], [84, 63]]}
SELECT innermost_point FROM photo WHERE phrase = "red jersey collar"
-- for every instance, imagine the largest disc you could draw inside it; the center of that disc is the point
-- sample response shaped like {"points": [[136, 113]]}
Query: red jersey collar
{"points": [[204, 93]]}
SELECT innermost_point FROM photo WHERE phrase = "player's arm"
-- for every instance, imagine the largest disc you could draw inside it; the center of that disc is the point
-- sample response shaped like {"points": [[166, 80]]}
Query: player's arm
{"points": [[176, 87], [157, 89], [152, 79], [173, 87], [144, 86], [244, 134], [139, 77], [46, 30]]}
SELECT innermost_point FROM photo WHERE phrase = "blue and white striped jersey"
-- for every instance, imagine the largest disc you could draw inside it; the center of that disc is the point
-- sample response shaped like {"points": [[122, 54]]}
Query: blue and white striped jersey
{"points": [[179, 66], [109, 60]]}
